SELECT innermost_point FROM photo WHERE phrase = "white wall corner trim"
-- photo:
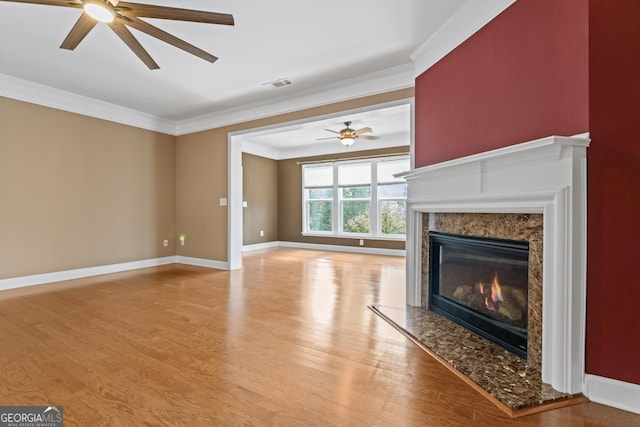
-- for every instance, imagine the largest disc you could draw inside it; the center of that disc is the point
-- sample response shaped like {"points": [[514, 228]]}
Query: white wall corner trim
{"points": [[619, 394], [235, 211], [59, 276], [543, 176], [35, 93], [201, 262], [339, 248], [258, 246], [463, 24], [400, 77]]}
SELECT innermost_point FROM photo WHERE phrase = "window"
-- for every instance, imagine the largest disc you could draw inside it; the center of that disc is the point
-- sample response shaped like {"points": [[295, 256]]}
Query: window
{"points": [[318, 196], [392, 198], [354, 180], [357, 198]]}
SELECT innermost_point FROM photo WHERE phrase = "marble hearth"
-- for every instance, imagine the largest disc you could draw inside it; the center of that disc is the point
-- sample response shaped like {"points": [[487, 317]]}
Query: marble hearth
{"points": [[533, 191]]}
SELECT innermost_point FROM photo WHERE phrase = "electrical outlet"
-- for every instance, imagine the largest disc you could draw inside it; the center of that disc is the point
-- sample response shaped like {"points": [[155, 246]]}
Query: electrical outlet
{"points": [[361, 242], [165, 243], [261, 233]]}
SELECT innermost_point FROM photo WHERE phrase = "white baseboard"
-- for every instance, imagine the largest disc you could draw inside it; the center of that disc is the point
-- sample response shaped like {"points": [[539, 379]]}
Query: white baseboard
{"points": [[201, 262], [339, 248], [619, 394], [58, 276], [257, 246]]}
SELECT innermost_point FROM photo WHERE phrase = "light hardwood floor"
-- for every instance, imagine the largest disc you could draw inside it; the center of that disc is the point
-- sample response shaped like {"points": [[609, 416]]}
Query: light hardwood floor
{"points": [[288, 340]]}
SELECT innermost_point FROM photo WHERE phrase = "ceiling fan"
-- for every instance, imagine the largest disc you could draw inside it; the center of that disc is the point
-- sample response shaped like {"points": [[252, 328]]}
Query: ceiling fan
{"points": [[348, 136], [119, 15]]}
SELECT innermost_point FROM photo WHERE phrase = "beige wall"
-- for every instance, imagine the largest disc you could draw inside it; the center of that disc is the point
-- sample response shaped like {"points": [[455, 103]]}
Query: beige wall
{"points": [[201, 173], [260, 191], [201, 180], [290, 202], [81, 192]]}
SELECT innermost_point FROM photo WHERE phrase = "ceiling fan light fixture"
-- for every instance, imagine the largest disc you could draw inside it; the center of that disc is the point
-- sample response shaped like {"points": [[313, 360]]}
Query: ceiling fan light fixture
{"points": [[99, 10], [347, 140]]}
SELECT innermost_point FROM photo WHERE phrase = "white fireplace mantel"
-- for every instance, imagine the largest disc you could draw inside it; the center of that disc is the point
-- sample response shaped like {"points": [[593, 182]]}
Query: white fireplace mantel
{"points": [[545, 176]]}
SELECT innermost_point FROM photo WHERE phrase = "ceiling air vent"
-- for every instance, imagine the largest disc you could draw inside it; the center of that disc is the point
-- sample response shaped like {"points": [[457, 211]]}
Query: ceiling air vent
{"points": [[278, 83]]}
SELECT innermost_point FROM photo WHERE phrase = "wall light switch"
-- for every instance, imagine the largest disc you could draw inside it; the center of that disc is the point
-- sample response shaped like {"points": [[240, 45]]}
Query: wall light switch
{"points": [[165, 243], [244, 204], [261, 233], [223, 201]]}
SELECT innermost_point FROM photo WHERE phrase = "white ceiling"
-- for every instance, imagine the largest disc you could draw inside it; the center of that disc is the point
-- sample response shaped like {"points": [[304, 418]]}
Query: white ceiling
{"points": [[312, 43], [330, 50]]}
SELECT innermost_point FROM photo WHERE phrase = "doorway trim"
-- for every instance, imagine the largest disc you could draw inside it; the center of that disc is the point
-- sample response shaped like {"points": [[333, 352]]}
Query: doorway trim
{"points": [[237, 145]]}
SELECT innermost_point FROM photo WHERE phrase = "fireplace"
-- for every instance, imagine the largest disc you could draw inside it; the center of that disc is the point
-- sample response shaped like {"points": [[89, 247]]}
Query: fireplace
{"points": [[545, 177], [482, 284]]}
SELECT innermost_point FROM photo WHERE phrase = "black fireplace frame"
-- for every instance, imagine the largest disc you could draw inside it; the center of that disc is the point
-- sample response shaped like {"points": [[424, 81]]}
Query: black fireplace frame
{"points": [[509, 337]]}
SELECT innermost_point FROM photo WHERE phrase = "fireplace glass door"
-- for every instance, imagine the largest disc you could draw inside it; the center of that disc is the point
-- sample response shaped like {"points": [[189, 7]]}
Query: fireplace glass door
{"points": [[482, 284]]}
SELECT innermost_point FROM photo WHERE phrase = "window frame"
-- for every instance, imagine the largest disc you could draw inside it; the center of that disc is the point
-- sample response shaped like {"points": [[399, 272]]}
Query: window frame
{"points": [[375, 203]]}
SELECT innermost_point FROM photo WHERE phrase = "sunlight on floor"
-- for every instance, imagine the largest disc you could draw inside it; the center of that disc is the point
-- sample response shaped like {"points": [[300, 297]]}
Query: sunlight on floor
{"points": [[392, 285]]}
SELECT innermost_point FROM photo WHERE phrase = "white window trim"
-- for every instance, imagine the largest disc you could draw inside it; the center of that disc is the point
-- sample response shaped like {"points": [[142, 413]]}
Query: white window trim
{"points": [[374, 205]]}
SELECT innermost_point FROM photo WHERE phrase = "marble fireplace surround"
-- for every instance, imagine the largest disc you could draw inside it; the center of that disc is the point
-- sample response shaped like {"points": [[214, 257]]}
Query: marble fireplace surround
{"points": [[545, 176]]}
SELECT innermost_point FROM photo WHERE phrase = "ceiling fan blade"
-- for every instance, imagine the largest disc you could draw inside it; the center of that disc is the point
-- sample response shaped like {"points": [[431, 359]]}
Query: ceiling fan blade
{"points": [[176, 14], [332, 131], [373, 137], [169, 38], [364, 130], [63, 3], [331, 137], [128, 38], [78, 32], [114, 2]]}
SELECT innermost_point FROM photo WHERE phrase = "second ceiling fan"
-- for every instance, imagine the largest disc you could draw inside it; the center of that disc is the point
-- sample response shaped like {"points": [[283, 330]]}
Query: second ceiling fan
{"points": [[120, 15], [348, 136]]}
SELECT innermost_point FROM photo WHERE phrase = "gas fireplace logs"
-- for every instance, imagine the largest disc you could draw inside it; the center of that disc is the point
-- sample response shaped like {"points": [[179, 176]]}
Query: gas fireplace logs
{"points": [[500, 301]]}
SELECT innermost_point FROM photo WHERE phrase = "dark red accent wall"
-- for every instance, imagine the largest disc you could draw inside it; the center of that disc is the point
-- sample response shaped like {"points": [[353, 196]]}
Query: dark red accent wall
{"points": [[613, 275], [558, 67], [523, 76]]}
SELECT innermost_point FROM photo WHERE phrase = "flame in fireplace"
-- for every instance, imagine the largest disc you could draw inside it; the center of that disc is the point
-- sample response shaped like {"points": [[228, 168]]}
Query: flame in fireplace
{"points": [[496, 294]]}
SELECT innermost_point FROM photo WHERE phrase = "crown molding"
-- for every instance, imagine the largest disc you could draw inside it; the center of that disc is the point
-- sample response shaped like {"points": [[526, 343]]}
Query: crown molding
{"points": [[400, 77], [35, 93], [259, 150], [463, 24], [312, 151], [359, 145]]}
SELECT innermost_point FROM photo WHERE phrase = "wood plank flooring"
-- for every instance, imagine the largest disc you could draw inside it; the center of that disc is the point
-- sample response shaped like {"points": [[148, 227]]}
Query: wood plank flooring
{"points": [[287, 341]]}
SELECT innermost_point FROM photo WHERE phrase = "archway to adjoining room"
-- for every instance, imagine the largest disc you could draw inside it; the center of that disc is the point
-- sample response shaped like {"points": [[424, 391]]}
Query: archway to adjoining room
{"points": [[392, 121]]}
